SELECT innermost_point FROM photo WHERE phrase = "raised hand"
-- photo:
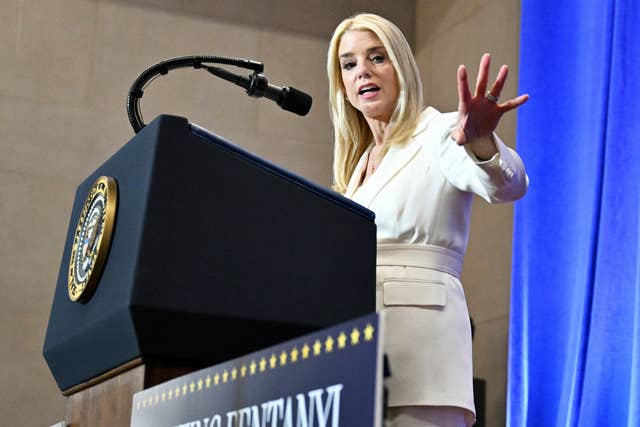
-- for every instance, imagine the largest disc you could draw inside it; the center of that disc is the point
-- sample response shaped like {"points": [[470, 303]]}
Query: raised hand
{"points": [[478, 115]]}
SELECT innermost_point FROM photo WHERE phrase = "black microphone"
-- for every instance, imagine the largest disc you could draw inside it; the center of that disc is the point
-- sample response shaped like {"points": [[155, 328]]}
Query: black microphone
{"points": [[257, 86]]}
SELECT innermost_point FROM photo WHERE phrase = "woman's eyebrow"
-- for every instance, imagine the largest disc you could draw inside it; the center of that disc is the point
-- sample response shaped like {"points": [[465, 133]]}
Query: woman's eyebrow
{"points": [[375, 48], [369, 50]]}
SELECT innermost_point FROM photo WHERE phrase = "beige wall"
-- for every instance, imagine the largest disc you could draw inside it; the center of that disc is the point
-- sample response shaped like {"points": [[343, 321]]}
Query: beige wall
{"points": [[66, 68], [450, 33]]}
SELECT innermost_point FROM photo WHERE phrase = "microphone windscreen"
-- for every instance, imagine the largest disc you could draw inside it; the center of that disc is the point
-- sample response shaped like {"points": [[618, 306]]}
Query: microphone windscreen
{"points": [[295, 101]]}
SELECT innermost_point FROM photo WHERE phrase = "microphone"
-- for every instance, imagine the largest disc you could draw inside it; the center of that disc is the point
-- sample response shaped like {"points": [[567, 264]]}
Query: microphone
{"points": [[257, 86]]}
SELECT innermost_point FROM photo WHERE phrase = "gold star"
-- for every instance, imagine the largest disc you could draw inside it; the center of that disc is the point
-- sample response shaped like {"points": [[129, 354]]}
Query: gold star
{"points": [[170, 394], [328, 344], [263, 364], [177, 393], [342, 340], [283, 358], [157, 398], [317, 348], [234, 373], [184, 390], [243, 371], [216, 378], [200, 384], [294, 355], [138, 405], [305, 351], [225, 375], [144, 403], [272, 361], [368, 332], [192, 387], [164, 396], [355, 336], [252, 367], [208, 381]]}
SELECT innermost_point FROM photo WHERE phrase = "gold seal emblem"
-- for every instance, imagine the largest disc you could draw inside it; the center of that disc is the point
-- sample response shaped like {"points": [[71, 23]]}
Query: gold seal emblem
{"points": [[92, 239]]}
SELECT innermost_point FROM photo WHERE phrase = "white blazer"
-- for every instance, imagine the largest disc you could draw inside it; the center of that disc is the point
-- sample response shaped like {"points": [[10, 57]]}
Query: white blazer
{"points": [[422, 194], [422, 191]]}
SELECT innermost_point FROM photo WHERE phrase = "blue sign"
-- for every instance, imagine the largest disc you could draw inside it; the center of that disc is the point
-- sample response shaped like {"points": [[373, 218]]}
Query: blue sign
{"points": [[330, 378]]}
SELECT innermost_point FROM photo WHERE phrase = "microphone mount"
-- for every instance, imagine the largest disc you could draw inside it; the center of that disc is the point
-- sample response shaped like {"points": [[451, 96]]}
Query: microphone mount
{"points": [[197, 62], [257, 86]]}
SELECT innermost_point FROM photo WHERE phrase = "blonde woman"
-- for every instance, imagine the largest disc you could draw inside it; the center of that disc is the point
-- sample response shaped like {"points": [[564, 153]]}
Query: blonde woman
{"points": [[418, 171]]}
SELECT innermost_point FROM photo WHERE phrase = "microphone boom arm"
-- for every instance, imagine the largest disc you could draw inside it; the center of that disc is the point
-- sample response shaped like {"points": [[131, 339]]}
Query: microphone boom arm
{"points": [[137, 88]]}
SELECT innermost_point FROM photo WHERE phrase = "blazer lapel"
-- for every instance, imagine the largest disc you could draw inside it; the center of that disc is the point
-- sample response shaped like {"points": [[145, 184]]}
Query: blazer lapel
{"points": [[392, 163], [356, 177], [396, 158]]}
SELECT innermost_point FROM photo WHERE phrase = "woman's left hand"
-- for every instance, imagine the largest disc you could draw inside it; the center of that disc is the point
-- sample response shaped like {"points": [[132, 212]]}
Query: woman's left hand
{"points": [[478, 115]]}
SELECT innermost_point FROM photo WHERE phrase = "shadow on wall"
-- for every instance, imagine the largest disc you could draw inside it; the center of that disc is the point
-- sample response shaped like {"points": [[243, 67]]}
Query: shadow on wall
{"points": [[316, 18]]}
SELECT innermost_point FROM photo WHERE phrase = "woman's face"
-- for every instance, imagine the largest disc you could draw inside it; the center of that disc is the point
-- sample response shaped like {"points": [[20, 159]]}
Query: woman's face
{"points": [[368, 75]]}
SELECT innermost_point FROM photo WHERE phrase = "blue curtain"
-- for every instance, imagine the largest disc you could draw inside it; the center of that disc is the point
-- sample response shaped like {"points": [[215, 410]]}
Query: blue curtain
{"points": [[574, 345]]}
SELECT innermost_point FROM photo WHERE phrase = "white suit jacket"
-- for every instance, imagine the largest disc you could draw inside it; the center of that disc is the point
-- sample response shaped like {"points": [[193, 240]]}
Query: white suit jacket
{"points": [[422, 194], [422, 191]]}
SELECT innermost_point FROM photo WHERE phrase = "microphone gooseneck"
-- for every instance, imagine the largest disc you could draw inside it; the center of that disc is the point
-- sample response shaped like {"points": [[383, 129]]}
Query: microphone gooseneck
{"points": [[256, 85]]}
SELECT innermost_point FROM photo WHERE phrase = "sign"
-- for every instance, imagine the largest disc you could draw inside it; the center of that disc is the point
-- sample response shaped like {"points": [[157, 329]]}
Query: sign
{"points": [[331, 378]]}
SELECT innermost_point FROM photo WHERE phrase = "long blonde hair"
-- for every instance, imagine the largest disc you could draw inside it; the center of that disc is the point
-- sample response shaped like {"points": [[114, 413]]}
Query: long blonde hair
{"points": [[351, 131]]}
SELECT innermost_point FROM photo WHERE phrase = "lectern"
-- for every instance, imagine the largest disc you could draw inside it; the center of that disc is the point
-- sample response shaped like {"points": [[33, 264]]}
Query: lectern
{"points": [[213, 253]]}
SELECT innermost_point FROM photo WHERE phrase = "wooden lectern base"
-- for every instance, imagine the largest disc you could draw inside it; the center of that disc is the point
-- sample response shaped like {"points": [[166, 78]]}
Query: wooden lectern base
{"points": [[107, 400]]}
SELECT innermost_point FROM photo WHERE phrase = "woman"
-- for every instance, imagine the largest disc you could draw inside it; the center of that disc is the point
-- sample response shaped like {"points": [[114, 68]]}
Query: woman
{"points": [[418, 171]]}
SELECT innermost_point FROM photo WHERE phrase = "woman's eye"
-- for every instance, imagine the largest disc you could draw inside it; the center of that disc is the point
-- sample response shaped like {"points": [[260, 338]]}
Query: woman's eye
{"points": [[348, 65], [376, 59]]}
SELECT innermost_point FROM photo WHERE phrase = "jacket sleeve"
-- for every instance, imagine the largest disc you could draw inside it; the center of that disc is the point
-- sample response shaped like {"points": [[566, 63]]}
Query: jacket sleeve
{"points": [[502, 178]]}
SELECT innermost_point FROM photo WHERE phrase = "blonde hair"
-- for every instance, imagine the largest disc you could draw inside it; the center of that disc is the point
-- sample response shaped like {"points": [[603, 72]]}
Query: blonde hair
{"points": [[351, 131]]}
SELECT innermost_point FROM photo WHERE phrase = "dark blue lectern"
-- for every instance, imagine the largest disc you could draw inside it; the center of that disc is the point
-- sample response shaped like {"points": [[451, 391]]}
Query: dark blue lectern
{"points": [[215, 253]]}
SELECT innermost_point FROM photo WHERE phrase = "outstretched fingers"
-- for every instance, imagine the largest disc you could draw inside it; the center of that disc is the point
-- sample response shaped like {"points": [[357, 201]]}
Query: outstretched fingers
{"points": [[514, 103], [464, 94], [479, 114], [496, 89], [464, 99], [483, 75]]}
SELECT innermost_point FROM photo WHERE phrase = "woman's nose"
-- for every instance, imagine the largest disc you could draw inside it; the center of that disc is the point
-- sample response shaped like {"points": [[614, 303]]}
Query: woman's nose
{"points": [[363, 70]]}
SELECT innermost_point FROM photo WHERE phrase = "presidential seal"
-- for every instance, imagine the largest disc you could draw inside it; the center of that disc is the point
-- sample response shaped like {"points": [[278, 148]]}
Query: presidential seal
{"points": [[92, 239]]}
